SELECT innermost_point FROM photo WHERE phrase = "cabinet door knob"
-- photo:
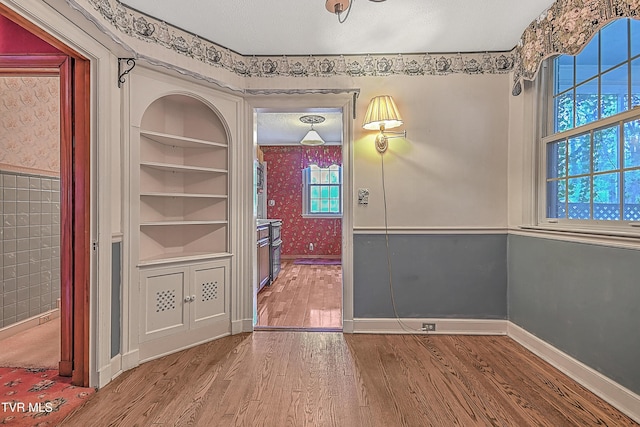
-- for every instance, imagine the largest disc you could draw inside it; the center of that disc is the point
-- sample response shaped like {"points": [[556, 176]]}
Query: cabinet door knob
{"points": [[187, 299], [193, 298]]}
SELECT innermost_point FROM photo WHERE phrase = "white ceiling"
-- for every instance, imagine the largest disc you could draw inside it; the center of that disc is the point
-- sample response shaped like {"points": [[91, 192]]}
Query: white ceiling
{"points": [[285, 128], [305, 27]]}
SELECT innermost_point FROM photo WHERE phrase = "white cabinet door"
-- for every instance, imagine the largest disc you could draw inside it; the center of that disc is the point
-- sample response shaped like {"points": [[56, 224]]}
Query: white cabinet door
{"points": [[211, 295], [164, 310], [177, 301]]}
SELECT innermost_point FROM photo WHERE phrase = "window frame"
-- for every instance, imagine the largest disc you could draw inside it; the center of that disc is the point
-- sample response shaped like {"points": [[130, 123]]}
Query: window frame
{"points": [[547, 126], [306, 193]]}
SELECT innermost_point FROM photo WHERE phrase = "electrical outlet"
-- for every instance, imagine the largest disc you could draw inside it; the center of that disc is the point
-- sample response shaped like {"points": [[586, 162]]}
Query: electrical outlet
{"points": [[429, 327], [310, 246]]}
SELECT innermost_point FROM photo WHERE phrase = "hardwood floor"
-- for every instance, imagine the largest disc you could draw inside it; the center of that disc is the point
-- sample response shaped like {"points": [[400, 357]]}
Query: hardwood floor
{"points": [[303, 296], [330, 379]]}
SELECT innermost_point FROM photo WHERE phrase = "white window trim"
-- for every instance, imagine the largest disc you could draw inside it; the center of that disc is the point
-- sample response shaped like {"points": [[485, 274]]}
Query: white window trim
{"points": [[544, 120], [305, 198]]}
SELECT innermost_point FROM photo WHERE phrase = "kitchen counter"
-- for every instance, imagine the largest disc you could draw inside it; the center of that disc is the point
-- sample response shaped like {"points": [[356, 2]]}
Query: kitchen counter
{"points": [[261, 221]]}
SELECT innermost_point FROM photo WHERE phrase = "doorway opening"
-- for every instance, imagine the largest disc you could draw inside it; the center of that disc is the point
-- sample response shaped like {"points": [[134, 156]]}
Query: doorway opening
{"points": [[298, 198], [45, 174]]}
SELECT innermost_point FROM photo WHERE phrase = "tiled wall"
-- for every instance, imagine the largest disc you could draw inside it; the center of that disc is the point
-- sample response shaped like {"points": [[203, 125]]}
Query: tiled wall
{"points": [[30, 237]]}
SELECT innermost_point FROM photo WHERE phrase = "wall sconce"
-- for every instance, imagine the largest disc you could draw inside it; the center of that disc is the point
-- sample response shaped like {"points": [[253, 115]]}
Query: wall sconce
{"points": [[383, 114]]}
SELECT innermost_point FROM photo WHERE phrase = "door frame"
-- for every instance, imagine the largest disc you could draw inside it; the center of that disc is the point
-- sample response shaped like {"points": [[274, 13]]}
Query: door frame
{"points": [[75, 248], [296, 102]]}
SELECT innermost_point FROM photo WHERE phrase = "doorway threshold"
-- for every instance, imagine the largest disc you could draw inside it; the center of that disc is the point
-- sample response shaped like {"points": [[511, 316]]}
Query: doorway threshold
{"points": [[294, 329]]}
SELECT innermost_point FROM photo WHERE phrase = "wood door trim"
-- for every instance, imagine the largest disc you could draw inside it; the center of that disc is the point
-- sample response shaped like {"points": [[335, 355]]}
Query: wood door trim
{"points": [[82, 220], [75, 143], [33, 63], [66, 220]]}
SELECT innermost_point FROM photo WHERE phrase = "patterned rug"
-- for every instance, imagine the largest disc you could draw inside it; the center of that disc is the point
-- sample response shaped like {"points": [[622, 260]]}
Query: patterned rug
{"points": [[317, 261], [36, 397]]}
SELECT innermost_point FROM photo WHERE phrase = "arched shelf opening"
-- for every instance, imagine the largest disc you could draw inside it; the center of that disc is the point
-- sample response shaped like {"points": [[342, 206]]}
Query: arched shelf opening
{"points": [[184, 181]]}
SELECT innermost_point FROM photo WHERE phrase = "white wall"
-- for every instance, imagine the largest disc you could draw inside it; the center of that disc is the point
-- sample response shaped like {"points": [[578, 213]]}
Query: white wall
{"points": [[451, 169]]}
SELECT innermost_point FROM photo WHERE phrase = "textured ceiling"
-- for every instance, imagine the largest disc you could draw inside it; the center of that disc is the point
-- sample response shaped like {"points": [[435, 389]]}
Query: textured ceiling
{"points": [[305, 27], [285, 128]]}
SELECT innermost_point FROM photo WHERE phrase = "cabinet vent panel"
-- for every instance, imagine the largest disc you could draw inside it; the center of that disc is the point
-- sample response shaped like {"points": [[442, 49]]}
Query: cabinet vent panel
{"points": [[209, 291], [165, 300]]}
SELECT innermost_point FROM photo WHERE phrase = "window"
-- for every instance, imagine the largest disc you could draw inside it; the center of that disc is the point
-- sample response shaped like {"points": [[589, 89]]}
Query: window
{"points": [[592, 153], [322, 191]]}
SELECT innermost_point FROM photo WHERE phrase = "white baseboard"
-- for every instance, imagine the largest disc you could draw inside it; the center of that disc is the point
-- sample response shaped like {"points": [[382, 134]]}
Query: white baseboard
{"points": [[443, 326], [240, 326], [623, 399], [130, 360], [116, 366], [347, 326], [29, 323]]}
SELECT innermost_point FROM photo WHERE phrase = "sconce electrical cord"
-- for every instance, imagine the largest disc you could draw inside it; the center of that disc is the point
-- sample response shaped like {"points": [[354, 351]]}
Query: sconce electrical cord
{"points": [[403, 325]]}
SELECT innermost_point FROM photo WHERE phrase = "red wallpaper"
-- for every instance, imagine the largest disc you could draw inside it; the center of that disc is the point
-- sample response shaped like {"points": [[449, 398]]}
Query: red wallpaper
{"points": [[16, 40], [284, 185]]}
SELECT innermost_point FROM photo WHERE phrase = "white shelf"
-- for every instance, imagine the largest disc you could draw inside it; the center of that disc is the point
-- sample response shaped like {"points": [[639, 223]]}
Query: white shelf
{"points": [[173, 223], [183, 185], [185, 195], [181, 168], [182, 257], [180, 141]]}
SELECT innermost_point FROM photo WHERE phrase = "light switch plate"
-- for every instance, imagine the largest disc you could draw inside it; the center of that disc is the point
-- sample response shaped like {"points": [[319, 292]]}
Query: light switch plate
{"points": [[363, 196]]}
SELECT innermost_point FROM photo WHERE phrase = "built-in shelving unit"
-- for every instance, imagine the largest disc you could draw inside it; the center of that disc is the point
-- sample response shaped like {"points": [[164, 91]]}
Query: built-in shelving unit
{"points": [[184, 182]]}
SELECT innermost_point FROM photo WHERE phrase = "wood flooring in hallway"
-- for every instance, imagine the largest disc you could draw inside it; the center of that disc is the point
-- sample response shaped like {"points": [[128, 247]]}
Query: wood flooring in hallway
{"points": [[303, 296], [326, 379]]}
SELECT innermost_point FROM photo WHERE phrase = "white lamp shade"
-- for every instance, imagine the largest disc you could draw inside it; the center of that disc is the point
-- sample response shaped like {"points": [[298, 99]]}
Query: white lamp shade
{"points": [[382, 111], [312, 138]]}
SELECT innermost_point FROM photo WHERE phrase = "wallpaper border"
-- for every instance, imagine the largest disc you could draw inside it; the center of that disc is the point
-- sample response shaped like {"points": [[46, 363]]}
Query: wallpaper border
{"points": [[134, 23], [564, 28]]}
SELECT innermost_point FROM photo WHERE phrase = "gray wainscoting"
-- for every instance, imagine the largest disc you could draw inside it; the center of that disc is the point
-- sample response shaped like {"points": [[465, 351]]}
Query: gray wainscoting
{"points": [[30, 238], [583, 299], [116, 300], [446, 276]]}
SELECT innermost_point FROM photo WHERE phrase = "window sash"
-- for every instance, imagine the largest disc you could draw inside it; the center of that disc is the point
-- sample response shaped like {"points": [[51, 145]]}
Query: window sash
{"points": [[309, 200], [627, 212], [604, 186]]}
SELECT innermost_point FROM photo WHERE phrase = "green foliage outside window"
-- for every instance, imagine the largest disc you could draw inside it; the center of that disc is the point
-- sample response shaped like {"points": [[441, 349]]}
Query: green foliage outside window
{"points": [[596, 174]]}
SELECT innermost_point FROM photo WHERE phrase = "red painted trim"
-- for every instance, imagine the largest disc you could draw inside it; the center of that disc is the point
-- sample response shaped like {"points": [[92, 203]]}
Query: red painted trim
{"points": [[15, 39], [75, 192], [38, 32]]}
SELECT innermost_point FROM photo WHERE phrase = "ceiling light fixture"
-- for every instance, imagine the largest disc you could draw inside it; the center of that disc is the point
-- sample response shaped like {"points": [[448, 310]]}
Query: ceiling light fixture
{"points": [[342, 8], [312, 137], [383, 114]]}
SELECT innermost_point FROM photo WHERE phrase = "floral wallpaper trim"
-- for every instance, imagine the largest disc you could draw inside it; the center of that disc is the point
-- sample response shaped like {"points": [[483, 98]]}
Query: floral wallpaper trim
{"points": [[136, 24], [565, 28]]}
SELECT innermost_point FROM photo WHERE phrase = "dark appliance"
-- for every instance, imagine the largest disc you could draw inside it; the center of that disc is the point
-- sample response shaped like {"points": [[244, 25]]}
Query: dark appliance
{"points": [[264, 256], [276, 247]]}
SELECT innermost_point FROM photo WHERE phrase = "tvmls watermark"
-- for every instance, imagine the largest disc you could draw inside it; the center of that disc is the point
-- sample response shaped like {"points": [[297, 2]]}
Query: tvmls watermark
{"points": [[21, 407]]}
